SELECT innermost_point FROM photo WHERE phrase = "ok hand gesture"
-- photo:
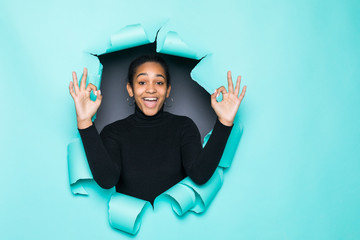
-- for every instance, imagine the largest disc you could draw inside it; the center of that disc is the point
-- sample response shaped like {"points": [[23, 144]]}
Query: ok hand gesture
{"points": [[228, 107], [85, 107]]}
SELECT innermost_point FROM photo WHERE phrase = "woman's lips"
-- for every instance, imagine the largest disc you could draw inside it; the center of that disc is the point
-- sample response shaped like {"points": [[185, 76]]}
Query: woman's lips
{"points": [[150, 102]]}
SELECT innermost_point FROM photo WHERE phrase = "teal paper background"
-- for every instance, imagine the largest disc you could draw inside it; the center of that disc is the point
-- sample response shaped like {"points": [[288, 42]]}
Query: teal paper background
{"points": [[296, 174]]}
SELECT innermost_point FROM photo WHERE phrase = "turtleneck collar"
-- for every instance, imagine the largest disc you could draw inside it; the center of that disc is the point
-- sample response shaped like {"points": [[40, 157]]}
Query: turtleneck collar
{"points": [[139, 117]]}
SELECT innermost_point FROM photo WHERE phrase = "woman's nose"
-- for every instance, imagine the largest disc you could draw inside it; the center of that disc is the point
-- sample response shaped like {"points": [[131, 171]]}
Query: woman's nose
{"points": [[150, 88]]}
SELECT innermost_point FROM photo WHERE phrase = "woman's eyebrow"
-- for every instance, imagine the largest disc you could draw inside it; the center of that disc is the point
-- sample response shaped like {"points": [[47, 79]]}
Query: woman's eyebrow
{"points": [[141, 74], [160, 75], [145, 74]]}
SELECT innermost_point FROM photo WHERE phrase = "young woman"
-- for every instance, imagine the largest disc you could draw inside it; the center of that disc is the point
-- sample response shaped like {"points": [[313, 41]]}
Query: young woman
{"points": [[151, 150]]}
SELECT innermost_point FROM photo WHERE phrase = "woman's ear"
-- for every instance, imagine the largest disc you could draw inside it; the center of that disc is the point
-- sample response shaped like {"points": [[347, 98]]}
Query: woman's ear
{"points": [[129, 90], [168, 91]]}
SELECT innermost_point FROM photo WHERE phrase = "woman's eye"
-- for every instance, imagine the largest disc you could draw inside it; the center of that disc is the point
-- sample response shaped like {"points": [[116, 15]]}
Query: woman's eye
{"points": [[141, 83], [160, 83]]}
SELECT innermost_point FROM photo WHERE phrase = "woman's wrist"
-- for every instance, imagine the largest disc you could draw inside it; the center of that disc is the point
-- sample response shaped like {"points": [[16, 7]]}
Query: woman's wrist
{"points": [[226, 122], [85, 123]]}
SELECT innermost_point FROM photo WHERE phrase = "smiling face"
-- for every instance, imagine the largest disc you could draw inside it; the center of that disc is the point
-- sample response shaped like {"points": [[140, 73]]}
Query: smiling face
{"points": [[149, 88]]}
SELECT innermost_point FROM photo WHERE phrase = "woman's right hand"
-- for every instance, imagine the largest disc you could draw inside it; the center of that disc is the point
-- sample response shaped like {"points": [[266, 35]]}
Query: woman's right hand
{"points": [[85, 107]]}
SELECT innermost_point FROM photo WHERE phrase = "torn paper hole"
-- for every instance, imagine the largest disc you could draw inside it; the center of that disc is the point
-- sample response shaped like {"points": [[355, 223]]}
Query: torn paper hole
{"points": [[125, 212]]}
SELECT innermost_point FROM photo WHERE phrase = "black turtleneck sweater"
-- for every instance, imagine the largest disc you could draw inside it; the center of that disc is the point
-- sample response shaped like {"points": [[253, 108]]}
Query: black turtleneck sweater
{"points": [[143, 156]]}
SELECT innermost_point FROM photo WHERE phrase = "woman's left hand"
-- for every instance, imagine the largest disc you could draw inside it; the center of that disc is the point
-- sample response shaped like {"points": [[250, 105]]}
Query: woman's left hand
{"points": [[228, 107]]}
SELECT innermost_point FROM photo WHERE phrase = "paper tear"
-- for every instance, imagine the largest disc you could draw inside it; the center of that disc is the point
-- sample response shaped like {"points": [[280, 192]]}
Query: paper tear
{"points": [[126, 212], [78, 166], [205, 193], [128, 37], [181, 198], [174, 45]]}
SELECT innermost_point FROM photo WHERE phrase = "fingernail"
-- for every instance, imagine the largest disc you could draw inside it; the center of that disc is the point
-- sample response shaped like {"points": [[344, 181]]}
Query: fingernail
{"points": [[218, 95], [95, 93], [215, 91], [99, 92]]}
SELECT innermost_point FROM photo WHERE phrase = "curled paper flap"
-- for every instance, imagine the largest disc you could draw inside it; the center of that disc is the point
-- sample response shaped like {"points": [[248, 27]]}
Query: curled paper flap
{"points": [[200, 73], [128, 37], [181, 198], [125, 212], [205, 193], [174, 45], [189, 196], [152, 28], [77, 166]]}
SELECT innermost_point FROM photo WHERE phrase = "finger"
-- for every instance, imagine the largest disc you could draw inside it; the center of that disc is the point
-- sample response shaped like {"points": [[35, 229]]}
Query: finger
{"points": [[83, 79], [237, 87], [98, 97], [230, 83], [76, 84], [213, 97], [71, 89], [90, 87], [222, 90], [242, 93]]}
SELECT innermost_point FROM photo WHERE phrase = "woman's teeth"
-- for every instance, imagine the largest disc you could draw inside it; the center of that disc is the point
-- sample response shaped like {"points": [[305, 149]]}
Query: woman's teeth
{"points": [[150, 102], [150, 99]]}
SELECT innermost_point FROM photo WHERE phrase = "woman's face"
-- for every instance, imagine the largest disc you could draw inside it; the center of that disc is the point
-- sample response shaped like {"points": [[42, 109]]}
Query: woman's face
{"points": [[149, 88]]}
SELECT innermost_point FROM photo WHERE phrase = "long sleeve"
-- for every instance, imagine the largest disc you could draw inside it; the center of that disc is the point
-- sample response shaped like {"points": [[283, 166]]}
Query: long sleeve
{"points": [[103, 155], [200, 163]]}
